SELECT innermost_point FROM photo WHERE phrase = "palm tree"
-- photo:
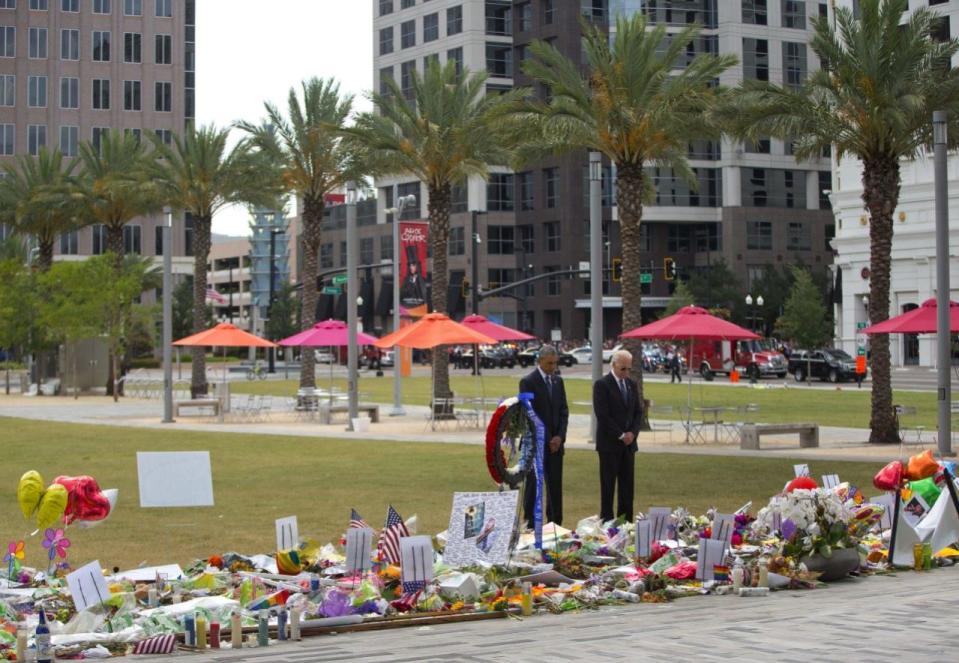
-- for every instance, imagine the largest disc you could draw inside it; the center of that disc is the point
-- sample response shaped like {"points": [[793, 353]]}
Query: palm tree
{"points": [[633, 106], [35, 200], [115, 187], [308, 148], [199, 175], [442, 131], [873, 98]]}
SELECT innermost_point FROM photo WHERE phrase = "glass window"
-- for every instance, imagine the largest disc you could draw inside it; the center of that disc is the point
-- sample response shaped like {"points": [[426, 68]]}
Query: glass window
{"points": [[499, 240], [133, 7], [553, 242], [407, 4], [798, 237], [794, 14], [97, 136], [794, 64], [36, 138], [673, 190], [101, 6], [164, 49], [101, 46], [499, 18], [366, 250], [548, 12], [131, 95], [406, 79], [70, 5], [69, 243], [8, 4], [8, 90], [430, 59], [527, 239], [101, 94], [410, 212], [386, 75], [459, 198], [759, 146], [825, 184], [454, 20], [456, 55], [524, 14], [499, 192], [678, 238], [39, 5], [386, 247], [37, 91], [163, 94], [759, 235], [457, 241], [431, 27], [131, 239], [386, 40], [525, 183], [99, 238], [6, 139], [754, 12], [386, 7], [69, 44], [499, 60], [551, 186], [756, 59], [554, 284], [69, 93], [326, 255], [38, 43], [593, 10], [165, 135], [342, 254], [829, 234], [132, 47], [8, 41], [69, 137], [163, 8], [407, 34]]}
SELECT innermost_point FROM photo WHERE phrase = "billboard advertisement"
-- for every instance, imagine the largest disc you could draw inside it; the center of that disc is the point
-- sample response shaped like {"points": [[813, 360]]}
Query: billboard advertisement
{"points": [[414, 236]]}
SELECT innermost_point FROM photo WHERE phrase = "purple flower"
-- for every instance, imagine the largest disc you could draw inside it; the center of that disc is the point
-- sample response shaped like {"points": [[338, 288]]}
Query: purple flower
{"points": [[366, 608], [612, 531], [336, 604], [788, 528]]}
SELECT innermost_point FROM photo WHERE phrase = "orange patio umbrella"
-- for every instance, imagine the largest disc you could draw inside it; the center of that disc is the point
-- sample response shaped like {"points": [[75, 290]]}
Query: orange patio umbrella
{"points": [[431, 331]]}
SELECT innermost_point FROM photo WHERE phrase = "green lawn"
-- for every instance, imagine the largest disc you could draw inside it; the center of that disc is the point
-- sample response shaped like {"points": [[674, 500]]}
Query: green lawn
{"points": [[260, 478], [847, 406]]}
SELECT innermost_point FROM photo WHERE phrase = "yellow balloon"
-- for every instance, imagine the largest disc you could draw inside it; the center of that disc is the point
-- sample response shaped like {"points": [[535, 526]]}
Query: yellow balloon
{"points": [[52, 505], [29, 492]]}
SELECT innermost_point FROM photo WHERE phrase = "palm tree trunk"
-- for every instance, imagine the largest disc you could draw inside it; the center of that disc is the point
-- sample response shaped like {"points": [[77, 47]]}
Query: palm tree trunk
{"points": [[629, 180], [312, 218], [880, 180], [44, 255], [439, 214], [201, 253], [114, 242]]}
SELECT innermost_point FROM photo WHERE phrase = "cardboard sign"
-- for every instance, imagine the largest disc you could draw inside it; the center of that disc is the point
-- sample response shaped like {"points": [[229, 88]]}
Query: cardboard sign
{"points": [[830, 481], [660, 517], [801, 470], [287, 533], [887, 500], [723, 526], [174, 479], [914, 509], [416, 561], [88, 586], [359, 540], [712, 552], [481, 525], [644, 538]]}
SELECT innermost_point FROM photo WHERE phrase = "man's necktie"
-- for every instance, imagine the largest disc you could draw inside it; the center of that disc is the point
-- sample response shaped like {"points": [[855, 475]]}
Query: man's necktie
{"points": [[623, 389]]}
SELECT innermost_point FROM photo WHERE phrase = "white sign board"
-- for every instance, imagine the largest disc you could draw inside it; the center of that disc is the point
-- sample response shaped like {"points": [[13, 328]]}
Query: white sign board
{"points": [[87, 586], [287, 533], [801, 470], [176, 478], [712, 552], [480, 528], [888, 501], [660, 517], [644, 535], [416, 560], [830, 481], [358, 543], [555, 335], [723, 526]]}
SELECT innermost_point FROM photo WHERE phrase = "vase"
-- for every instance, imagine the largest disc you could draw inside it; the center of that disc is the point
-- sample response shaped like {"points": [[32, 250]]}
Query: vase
{"points": [[835, 567]]}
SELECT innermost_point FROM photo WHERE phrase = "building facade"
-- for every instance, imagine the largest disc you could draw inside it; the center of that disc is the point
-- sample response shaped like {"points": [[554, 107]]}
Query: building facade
{"points": [[72, 69], [913, 269]]}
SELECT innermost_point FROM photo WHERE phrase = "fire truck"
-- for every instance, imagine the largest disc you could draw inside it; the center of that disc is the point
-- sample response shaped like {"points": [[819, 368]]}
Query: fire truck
{"points": [[750, 358]]}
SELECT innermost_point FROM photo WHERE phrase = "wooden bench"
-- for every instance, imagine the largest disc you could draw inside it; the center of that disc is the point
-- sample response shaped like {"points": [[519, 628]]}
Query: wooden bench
{"points": [[750, 433], [197, 403], [327, 411]]}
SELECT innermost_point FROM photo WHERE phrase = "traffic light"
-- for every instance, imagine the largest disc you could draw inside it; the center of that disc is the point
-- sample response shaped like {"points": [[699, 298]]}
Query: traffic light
{"points": [[465, 285], [617, 270], [669, 269]]}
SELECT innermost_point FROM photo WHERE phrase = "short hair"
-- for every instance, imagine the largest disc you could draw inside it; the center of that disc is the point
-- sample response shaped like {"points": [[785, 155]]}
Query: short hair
{"points": [[547, 351], [620, 354]]}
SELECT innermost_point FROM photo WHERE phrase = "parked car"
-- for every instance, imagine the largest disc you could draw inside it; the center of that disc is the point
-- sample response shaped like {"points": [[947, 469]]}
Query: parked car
{"points": [[527, 358], [583, 355], [830, 364]]}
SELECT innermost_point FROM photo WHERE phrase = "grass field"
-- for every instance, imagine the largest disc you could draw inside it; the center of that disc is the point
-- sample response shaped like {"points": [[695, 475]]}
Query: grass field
{"points": [[257, 479], [828, 407]]}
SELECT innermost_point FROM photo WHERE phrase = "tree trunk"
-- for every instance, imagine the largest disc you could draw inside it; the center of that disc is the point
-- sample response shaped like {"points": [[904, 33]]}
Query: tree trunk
{"points": [[880, 179], [114, 241], [114, 363], [312, 218], [439, 215], [201, 254], [629, 179], [44, 255]]}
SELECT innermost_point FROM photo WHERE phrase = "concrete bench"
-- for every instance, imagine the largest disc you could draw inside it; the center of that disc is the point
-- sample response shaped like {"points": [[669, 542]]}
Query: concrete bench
{"points": [[327, 412], [750, 434], [197, 403]]}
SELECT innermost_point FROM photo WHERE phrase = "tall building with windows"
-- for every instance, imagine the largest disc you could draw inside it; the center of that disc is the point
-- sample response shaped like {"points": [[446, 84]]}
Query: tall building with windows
{"points": [[913, 269], [72, 69]]}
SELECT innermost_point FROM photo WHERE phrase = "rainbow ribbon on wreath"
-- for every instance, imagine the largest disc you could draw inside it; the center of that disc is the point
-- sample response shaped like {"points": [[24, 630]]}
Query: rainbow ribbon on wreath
{"points": [[526, 398]]}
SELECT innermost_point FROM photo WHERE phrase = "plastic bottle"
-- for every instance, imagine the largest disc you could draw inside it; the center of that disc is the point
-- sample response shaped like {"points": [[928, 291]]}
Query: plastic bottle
{"points": [[41, 638], [189, 630], [281, 624], [201, 632], [763, 572], [236, 631], [626, 596], [738, 574], [263, 631], [753, 591], [21, 643]]}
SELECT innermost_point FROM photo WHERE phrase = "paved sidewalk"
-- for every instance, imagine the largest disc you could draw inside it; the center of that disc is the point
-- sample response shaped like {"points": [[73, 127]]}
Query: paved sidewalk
{"points": [[907, 617]]}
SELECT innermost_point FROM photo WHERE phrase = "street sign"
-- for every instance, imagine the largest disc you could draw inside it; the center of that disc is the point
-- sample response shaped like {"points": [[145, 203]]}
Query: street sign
{"points": [[645, 277], [340, 279], [583, 266], [332, 290], [861, 325]]}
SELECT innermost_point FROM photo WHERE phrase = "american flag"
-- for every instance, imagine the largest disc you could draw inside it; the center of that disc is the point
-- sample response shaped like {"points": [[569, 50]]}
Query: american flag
{"points": [[389, 543], [356, 520], [213, 295]]}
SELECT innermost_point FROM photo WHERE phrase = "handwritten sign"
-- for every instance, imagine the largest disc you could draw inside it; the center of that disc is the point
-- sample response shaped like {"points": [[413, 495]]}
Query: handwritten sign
{"points": [[830, 481], [723, 526], [644, 535], [88, 586], [660, 516], [711, 554], [416, 561], [801, 470], [287, 533], [888, 501], [358, 542]]}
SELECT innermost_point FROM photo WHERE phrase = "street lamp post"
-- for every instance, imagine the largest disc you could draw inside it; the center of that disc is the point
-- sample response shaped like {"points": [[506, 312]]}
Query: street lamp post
{"points": [[943, 336], [401, 203], [474, 270], [596, 271], [269, 305], [752, 304], [167, 316], [352, 244]]}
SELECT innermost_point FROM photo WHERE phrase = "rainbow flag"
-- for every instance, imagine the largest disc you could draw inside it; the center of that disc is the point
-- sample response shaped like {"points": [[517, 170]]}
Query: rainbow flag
{"points": [[269, 601], [720, 573]]}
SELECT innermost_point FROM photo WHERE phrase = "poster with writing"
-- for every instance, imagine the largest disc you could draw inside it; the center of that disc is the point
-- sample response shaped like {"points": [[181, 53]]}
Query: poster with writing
{"points": [[287, 533], [644, 535], [480, 528], [711, 554], [358, 543], [414, 237], [660, 517], [87, 586]]}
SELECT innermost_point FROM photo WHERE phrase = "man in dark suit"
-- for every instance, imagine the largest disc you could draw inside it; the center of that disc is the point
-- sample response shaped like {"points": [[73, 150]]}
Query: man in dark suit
{"points": [[618, 417], [549, 403]]}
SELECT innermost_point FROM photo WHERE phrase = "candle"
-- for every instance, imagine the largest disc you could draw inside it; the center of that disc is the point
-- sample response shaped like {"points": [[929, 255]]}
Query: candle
{"points": [[189, 630], [152, 599], [201, 632], [263, 631], [295, 624], [281, 624], [526, 601], [236, 631], [763, 574], [21, 643], [214, 635]]}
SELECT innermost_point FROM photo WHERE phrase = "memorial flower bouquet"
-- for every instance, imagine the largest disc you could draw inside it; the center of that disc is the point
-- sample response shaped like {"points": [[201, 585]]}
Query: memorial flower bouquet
{"points": [[810, 521]]}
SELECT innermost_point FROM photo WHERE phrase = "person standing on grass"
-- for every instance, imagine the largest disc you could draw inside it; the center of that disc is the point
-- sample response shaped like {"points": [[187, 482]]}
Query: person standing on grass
{"points": [[549, 403], [618, 418], [675, 366]]}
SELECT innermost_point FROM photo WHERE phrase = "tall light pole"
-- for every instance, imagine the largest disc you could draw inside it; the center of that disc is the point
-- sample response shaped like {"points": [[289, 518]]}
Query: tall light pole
{"points": [[402, 203], [752, 309], [352, 245], [596, 270], [943, 336], [271, 352], [474, 272], [167, 316]]}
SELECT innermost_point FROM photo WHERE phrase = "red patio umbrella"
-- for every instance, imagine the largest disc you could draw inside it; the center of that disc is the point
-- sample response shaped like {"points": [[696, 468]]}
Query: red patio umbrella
{"points": [[494, 330], [921, 320]]}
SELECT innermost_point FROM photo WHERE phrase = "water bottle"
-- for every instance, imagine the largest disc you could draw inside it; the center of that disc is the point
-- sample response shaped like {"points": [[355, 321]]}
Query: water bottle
{"points": [[42, 640]]}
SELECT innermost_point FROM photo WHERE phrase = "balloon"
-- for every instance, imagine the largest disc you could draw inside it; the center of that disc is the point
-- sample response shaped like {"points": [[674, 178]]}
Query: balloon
{"points": [[29, 492], [801, 483], [927, 490], [922, 466], [889, 477], [86, 500], [52, 505], [288, 562], [111, 494]]}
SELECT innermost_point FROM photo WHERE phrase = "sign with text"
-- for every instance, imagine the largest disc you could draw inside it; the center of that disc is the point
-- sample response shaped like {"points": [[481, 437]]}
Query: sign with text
{"points": [[644, 536], [87, 586], [416, 561], [660, 517], [287, 533], [358, 543], [480, 528], [712, 552], [414, 237], [801, 470], [177, 478]]}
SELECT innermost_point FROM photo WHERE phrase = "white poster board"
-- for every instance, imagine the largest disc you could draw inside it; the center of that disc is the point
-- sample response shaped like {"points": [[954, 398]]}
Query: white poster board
{"points": [[416, 561], [644, 536], [174, 478], [712, 552], [287, 533], [87, 586], [888, 501], [660, 517], [480, 528], [358, 543], [830, 481], [724, 524], [801, 470]]}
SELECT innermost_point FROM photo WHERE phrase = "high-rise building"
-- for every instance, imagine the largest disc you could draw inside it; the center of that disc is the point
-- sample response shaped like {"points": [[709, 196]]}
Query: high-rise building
{"points": [[72, 69]]}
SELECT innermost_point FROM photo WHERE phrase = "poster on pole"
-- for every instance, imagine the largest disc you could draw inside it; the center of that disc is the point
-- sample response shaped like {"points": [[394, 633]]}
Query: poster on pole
{"points": [[414, 236]]}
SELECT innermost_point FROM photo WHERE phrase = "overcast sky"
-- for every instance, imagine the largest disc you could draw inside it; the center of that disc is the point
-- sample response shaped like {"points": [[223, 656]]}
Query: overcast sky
{"points": [[249, 52]]}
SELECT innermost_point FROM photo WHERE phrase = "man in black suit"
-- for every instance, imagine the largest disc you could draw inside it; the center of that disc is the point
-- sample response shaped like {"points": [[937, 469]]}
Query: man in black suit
{"points": [[549, 403], [618, 417]]}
